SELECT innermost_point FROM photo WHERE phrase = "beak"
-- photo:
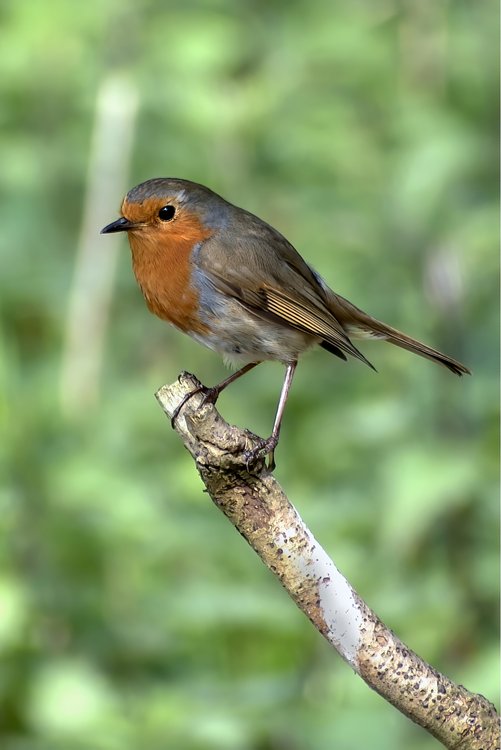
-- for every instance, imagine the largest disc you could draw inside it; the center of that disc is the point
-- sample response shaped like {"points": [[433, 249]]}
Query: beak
{"points": [[120, 225]]}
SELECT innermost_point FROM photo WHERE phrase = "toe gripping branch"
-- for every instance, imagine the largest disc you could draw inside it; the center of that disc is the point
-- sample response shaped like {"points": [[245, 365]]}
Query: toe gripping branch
{"points": [[265, 447], [206, 435]]}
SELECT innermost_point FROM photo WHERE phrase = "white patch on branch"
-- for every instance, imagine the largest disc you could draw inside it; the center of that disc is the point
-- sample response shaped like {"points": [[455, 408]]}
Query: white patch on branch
{"points": [[339, 607]]}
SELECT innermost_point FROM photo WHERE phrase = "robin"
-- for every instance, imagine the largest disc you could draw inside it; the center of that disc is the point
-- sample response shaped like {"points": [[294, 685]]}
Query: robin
{"points": [[235, 284]]}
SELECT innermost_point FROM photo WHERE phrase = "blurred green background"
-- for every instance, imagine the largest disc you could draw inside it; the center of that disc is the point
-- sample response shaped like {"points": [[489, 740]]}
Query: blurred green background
{"points": [[131, 613]]}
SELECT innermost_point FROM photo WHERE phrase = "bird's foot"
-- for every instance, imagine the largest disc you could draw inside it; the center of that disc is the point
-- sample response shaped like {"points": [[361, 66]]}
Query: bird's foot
{"points": [[264, 448], [210, 397]]}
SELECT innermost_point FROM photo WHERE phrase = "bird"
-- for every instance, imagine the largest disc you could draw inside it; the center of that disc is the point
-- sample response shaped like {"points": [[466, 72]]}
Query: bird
{"points": [[236, 285]]}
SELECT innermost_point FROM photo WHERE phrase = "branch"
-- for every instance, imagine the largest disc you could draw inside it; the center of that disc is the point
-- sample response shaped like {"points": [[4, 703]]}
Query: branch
{"points": [[257, 506]]}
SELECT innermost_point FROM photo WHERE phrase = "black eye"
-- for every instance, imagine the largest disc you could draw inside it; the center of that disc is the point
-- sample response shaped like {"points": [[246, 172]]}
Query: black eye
{"points": [[166, 213]]}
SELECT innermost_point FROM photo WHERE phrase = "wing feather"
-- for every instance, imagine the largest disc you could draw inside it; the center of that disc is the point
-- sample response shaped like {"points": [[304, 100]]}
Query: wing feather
{"points": [[303, 315], [300, 313]]}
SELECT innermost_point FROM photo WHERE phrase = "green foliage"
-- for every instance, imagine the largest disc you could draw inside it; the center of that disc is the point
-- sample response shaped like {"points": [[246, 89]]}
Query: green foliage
{"points": [[131, 614]]}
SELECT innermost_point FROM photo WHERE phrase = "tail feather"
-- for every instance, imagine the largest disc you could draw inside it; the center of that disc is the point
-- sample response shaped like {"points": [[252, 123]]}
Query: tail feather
{"points": [[358, 324], [381, 331]]}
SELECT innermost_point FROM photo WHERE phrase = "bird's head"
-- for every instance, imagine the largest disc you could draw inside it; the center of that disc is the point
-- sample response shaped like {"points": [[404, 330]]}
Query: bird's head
{"points": [[168, 209]]}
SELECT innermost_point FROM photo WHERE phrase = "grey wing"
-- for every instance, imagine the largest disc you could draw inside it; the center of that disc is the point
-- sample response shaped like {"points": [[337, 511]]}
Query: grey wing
{"points": [[269, 277]]}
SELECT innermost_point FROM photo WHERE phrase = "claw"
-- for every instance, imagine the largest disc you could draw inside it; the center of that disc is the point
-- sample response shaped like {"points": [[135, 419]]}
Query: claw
{"points": [[186, 398], [210, 397], [265, 448]]}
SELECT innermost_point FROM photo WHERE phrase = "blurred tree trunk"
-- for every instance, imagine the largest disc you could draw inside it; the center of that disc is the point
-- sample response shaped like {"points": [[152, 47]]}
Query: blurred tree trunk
{"points": [[95, 266]]}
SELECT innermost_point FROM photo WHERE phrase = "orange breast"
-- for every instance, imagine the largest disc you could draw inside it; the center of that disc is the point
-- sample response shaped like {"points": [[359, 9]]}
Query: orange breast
{"points": [[161, 259]]}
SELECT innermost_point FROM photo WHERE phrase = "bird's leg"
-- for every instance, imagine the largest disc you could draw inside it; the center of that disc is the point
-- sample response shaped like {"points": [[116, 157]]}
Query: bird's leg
{"points": [[211, 394], [267, 447]]}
